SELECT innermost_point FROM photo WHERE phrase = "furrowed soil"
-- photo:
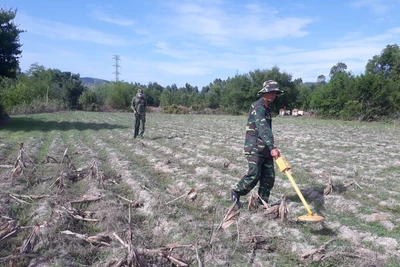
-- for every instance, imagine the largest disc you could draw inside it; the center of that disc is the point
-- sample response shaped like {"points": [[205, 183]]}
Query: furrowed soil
{"points": [[85, 193]]}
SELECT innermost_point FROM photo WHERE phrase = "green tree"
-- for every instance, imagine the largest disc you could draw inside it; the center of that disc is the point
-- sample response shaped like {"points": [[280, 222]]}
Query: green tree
{"points": [[321, 79], [335, 99], [9, 43], [67, 87], [236, 92], [166, 98], [387, 64], [377, 97], [340, 67], [88, 101], [39, 79], [120, 95], [9, 51], [212, 97]]}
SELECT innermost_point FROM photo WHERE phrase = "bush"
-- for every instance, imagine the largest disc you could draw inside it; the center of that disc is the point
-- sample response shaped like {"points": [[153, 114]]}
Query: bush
{"points": [[88, 102], [37, 105], [174, 109]]}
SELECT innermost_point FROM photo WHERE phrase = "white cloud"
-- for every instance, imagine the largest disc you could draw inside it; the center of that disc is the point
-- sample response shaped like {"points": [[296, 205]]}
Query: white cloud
{"points": [[58, 30], [164, 48], [376, 7], [103, 16]]}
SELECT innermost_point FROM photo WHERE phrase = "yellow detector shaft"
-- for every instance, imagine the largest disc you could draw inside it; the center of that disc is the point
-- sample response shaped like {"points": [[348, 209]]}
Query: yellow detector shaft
{"points": [[284, 167]]}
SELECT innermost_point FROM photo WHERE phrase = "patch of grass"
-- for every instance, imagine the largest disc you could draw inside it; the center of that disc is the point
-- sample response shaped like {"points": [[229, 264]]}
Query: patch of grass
{"points": [[21, 213], [372, 246]]}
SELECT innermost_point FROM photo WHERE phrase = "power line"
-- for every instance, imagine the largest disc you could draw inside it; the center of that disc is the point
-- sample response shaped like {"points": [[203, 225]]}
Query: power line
{"points": [[117, 66]]}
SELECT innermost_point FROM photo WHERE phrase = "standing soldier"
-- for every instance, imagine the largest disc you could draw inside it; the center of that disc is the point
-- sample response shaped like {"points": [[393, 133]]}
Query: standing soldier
{"points": [[138, 106], [259, 146]]}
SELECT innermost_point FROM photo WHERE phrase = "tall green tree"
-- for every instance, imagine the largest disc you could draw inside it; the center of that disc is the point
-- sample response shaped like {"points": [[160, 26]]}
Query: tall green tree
{"points": [[335, 99], [387, 64], [68, 87], [9, 51], [321, 79], [340, 67], [9, 43], [236, 93], [377, 97]]}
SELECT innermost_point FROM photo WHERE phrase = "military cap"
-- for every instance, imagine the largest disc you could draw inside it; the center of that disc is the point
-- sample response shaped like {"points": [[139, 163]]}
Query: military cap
{"points": [[270, 86]]}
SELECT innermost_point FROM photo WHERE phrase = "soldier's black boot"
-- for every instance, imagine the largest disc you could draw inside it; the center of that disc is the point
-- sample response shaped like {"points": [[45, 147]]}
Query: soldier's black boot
{"points": [[235, 198]]}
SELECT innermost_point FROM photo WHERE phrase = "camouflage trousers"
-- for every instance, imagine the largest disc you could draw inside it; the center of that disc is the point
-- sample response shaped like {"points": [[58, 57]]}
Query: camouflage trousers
{"points": [[261, 169], [140, 121]]}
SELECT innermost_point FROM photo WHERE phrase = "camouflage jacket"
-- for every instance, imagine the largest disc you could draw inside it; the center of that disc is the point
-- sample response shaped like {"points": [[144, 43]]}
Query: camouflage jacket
{"points": [[139, 104], [259, 137]]}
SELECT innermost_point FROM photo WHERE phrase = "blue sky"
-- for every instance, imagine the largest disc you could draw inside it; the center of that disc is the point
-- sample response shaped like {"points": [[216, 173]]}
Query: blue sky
{"points": [[199, 41]]}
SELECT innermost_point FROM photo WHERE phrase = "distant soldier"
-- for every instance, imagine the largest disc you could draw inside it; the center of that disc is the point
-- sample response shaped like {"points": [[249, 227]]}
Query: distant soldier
{"points": [[138, 106], [259, 146]]}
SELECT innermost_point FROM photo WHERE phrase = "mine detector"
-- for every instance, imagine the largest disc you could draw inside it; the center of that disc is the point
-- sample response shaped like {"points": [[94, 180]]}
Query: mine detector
{"points": [[284, 167]]}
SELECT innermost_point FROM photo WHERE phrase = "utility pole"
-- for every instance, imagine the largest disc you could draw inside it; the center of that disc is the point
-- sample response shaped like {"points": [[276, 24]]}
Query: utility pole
{"points": [[117, 66]]}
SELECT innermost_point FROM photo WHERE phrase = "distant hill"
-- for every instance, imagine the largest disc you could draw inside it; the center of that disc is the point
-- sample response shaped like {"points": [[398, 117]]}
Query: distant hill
{"points": [[309, 83], [87, 81]]}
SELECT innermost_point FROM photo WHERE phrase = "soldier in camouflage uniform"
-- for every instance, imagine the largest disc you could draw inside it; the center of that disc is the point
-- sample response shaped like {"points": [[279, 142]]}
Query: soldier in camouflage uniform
{"points": [[138, 106], [259, 146]]}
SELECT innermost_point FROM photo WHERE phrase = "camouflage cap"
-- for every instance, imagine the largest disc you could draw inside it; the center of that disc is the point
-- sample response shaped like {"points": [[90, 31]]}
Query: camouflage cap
{"points": [[270, 86], [140, 91]]}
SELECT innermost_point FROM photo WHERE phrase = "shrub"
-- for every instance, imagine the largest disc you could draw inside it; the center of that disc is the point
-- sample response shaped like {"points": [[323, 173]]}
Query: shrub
{"points": [[88, 102], [37, 105], [174, 109]]}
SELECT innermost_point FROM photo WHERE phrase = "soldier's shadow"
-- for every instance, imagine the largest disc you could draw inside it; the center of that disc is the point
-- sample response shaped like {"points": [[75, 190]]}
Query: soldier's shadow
{"points": [[315, 196], [312, 195]]}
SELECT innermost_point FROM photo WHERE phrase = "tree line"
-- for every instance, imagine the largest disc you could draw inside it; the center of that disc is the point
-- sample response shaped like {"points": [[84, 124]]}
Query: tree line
{"points": [[373, 95]]}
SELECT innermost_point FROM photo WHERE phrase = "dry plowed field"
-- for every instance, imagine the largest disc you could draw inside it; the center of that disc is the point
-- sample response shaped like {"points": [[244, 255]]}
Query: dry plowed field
{"points": [[80, 191]]}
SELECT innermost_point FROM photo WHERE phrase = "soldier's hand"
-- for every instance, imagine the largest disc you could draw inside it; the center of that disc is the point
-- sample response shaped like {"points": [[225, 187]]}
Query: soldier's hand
{"points": [[275, 153]]}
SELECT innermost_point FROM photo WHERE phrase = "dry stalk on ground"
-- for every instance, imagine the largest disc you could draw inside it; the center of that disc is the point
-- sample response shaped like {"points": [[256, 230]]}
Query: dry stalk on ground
{"points": [[8, 229], [166, 253], [31, 241], [99, 175], [59, 182], [257, 242], [76, 214], [65, 156], [329, 188], [20, 165], [351, 183], [133, 253], [273, 210], [265, 204], [280, 210], [230, 217], [131, 259], [48, 158], [17, 199], [30, 197], [74, 174], [86, 198], [283, 209], [253, 202], [192, 195], [134, 204], [96, 240], [317, 253]]}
